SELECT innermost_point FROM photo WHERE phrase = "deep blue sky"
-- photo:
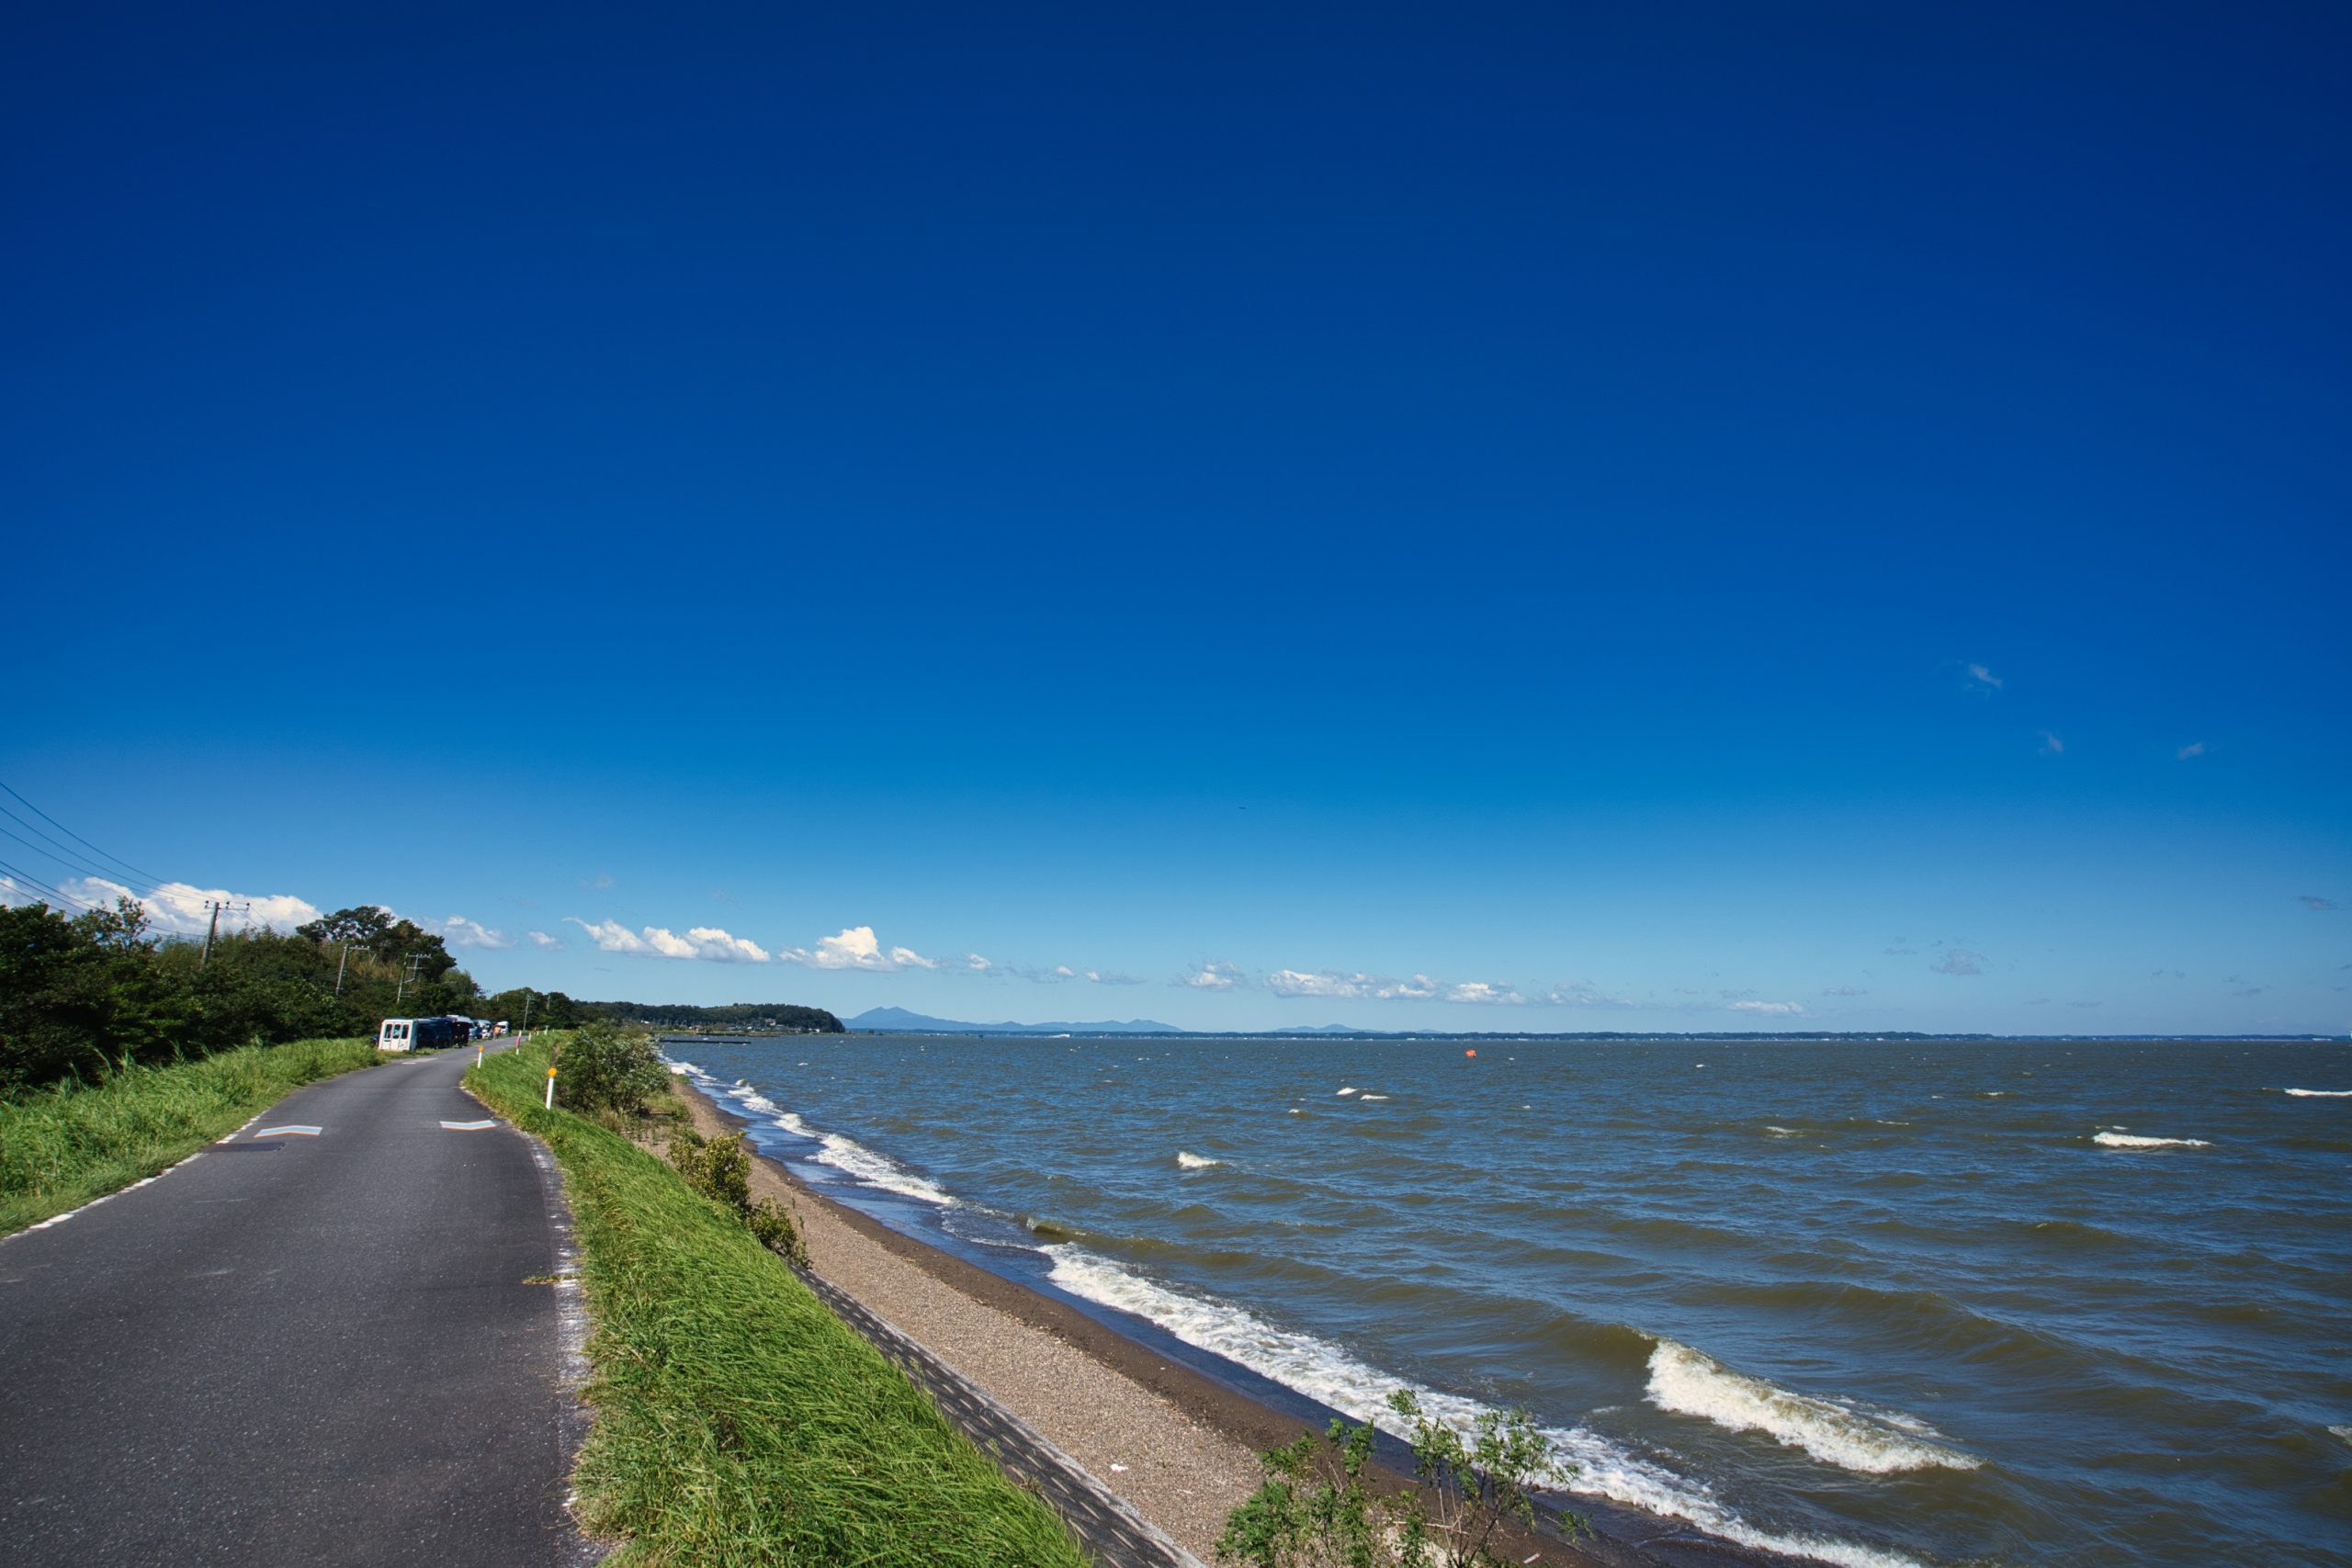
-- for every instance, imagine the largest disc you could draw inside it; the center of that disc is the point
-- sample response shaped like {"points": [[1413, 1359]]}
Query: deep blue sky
{"points": [[1659, 505]]}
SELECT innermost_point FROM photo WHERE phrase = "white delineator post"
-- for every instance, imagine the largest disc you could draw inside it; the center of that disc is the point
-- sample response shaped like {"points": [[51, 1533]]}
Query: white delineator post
{"points": [[550, 1088]]}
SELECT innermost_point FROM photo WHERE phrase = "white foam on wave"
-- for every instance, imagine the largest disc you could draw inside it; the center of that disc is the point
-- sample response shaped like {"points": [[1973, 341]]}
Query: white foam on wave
{"points": [[1190, 1161], [1347, 1091], [1780, 1132], [2320, 1093], [1691, 1382], [2134, 1140], [2342, 1432], [1361, 1097], [844, 1154], [1328, 1372], [876, 1170]]}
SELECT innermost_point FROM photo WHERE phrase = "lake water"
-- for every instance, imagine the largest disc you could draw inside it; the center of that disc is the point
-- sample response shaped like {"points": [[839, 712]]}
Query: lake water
{"points": [[1870, 1304]]}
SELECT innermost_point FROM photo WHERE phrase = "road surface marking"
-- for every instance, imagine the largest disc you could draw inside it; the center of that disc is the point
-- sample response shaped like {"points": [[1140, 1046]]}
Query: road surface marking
{"points": [[296, 1132], [469, 1126]]}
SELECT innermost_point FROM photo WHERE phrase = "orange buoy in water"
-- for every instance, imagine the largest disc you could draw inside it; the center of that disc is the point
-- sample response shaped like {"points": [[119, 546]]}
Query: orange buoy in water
{"points": [[1469, 1053]]}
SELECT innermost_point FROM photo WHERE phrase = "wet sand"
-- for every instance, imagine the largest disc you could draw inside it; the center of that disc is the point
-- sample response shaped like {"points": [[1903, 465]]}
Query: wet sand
{"points": [[1178, 1447]]}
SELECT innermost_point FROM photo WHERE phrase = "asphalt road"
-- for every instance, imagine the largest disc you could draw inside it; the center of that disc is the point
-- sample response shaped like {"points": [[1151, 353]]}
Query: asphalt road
{"points": [[298, 1348]]}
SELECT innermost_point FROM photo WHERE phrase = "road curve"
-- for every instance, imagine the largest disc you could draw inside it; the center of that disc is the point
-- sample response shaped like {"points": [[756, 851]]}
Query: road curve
{"points": [[299, 1348]]}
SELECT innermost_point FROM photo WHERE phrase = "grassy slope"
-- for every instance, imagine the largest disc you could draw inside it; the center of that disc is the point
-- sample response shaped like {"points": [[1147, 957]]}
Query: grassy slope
{"points": [[60, 1149], [737, 1420]]}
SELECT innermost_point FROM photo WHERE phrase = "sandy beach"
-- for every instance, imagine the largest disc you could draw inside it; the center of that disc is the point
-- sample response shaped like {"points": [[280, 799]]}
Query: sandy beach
{"points": [[1179, 1449]]}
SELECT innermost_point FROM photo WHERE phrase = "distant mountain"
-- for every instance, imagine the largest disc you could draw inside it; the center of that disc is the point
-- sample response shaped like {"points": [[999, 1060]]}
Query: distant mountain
{"points": [[898, 1020], [1326, 1029]]}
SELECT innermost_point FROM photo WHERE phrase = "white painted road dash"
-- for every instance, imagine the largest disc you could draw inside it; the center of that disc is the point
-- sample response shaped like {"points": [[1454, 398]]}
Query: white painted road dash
{"points": [[289, 1132], [469, 1126]]}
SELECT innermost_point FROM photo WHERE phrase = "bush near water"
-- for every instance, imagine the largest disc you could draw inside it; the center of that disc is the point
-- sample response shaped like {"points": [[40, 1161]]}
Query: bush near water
{"points": [[738, 1421]]}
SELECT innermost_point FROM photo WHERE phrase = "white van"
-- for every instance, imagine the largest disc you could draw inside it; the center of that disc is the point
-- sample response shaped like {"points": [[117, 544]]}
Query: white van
{"points": [[396, 1034]]}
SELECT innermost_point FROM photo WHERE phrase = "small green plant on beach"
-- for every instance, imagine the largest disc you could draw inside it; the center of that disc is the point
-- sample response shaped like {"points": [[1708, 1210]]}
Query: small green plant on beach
{"points": [[721, 1171], [1318, 1510]]}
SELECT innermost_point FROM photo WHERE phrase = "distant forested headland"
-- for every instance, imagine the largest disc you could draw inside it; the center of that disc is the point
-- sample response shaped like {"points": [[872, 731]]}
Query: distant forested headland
{"points": [[744, 1016]]}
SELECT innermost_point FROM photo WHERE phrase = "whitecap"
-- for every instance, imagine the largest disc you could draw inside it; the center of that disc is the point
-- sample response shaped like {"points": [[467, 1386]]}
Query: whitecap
{"points": [[1780, 1132], [2134, 1140], [1361, 1097], [1195, 1162], [1326, 1372], [1691, 1382], [1347, 1091], [2342, 1432], [848, 1155], [1295, 1110], [2320, 1093]]}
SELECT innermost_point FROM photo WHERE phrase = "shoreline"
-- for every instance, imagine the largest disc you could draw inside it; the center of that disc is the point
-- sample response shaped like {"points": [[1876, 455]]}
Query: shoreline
{"points": [[1178, 1447]]}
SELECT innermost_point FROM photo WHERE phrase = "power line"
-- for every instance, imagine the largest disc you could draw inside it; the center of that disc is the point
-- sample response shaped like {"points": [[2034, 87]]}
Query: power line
{"points": [[152, 880], [26, 879], [78, 866]]}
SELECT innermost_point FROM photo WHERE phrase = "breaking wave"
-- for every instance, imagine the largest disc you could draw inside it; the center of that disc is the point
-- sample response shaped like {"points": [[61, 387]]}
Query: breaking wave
{"points": [[846, 1154], [2134, 1140], [1190, 1161], [1690, 1382], [1328, 1372], [2320, 1093]]}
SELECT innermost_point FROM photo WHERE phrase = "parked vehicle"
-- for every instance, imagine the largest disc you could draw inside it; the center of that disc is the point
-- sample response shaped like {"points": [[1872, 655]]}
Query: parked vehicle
{"points": [[420, 1034]]}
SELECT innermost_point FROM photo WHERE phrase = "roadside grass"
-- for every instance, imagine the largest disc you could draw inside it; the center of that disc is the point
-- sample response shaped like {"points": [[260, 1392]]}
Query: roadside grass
{"points": [[61, 1147], [738, 1421]]}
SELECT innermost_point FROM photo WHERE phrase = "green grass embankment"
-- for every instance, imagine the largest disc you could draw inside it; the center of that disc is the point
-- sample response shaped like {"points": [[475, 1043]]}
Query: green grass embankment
{"points": [[62, 1147], [738, 1421]]}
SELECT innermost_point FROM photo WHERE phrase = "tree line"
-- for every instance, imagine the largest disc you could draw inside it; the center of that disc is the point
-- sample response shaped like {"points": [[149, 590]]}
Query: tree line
{"points": [[82, 995]]}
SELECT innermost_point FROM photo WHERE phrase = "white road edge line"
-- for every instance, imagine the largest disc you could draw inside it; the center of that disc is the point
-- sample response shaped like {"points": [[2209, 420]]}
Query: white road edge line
{"points": [[144, 1181], [469, 1126]]}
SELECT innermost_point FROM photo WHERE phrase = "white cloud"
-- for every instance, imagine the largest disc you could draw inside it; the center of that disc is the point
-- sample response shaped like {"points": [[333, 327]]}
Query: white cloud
{"points": [[541, 939], [1983, 676], [857, 947], [611, 936], [1480, 993], [1215, 977], [719, 947], [1582, 994], [976, 964], [668, 943], [1112, 978], [177, 909], [1959, 961], [1775, 1010], [460, 931], [2194, 748], [2051, 744], [1334, 982]]}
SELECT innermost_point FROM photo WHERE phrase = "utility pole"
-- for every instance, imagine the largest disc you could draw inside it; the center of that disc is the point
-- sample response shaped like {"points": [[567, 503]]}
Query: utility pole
{"points": [[340, 967], [212, 929], [415, 960], [528, 996]]}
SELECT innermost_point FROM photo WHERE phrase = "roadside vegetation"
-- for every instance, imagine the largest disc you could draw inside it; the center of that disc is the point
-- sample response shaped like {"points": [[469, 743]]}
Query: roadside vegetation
{"points": [[738, 1421], [65, 1145], [85, 995]]}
